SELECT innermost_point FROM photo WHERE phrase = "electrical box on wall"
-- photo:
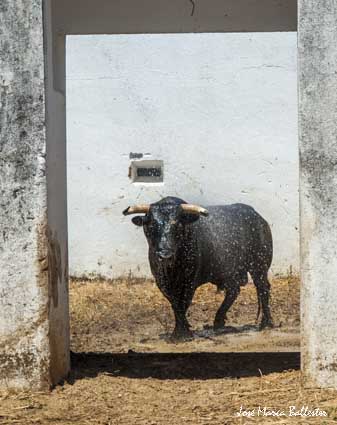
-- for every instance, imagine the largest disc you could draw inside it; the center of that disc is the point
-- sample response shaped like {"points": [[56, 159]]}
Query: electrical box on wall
{"points": [[147, 171]]}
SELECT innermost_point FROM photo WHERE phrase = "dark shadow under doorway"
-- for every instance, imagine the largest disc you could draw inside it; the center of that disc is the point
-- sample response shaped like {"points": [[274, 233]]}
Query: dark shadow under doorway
{"points": [[164, 366]]}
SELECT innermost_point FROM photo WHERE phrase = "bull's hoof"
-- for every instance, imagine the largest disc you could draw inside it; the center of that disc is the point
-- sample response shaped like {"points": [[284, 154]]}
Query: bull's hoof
{"points": [[219, 326], [266, 323], [181, 336]]}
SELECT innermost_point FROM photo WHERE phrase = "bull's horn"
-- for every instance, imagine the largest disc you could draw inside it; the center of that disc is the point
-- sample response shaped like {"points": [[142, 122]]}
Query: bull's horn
{"points": [[137, 209], [194, 209]]}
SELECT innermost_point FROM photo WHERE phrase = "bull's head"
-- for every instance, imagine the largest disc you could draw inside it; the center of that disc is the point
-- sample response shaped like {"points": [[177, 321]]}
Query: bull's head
{"points": [[163, 223]]}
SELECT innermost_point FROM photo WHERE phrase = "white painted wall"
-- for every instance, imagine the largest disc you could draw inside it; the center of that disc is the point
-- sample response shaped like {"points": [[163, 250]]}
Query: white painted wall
{"points": [[219, 109]]}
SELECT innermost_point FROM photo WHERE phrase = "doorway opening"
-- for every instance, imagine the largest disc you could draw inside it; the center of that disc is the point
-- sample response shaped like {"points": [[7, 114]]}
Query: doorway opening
{"points": [[214, 116]]}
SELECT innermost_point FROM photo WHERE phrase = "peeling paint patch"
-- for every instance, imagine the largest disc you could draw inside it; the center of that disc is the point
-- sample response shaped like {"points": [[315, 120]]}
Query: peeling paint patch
{"points": [[20, 366]]}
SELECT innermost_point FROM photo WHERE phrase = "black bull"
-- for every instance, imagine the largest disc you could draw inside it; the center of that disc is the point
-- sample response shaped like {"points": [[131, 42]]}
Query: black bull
{"points": [[218, 245]]}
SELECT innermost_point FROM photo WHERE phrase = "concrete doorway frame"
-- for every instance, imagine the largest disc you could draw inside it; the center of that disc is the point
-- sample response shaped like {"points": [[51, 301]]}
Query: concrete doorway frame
{"points": [[34, 318]]}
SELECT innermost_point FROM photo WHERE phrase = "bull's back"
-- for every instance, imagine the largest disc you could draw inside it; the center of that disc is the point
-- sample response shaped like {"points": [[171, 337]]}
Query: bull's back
{"points": [[233, 239]]}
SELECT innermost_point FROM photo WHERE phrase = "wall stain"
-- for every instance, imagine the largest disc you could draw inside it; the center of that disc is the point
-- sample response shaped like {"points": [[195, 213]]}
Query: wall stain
{"points": [[54, 266], [28, 360], [50, 261]]}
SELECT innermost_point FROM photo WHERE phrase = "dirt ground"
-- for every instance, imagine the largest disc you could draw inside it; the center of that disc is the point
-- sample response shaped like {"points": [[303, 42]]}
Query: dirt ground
{"points": [[124, 370], [123, 316]]}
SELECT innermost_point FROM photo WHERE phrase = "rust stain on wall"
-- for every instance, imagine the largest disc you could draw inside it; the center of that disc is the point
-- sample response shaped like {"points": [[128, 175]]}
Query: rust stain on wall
{"points": [[54, 265], [42, 262], [52, 274], [50, 261]]}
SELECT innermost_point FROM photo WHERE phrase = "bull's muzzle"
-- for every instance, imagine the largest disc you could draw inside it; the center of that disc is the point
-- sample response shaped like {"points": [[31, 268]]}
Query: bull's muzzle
{"points": [[165, 255]]}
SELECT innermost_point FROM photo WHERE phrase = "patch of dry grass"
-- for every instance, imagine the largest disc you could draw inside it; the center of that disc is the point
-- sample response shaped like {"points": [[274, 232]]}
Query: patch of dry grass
{"points": [[109, 400], [112, 317], [118, 316]]}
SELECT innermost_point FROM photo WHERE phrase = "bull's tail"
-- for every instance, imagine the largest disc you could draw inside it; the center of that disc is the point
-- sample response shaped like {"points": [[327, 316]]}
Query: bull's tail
{"points": [[259, 306]]}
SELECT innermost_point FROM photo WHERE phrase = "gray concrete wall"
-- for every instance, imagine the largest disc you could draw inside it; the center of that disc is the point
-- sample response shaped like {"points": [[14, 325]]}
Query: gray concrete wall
{"points": [[318, 180], [174, 16], [28, 359], [57, 198]]}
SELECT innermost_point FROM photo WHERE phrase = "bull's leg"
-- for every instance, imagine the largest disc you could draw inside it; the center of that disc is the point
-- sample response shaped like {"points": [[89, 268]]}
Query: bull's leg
{"points": [[180, 304], [263, 292], [231, 295], [182, 327]]}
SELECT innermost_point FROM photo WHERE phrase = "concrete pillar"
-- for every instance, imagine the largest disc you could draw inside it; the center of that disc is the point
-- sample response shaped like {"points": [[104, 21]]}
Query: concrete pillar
{"points": [[318, 180], [34, 330]]}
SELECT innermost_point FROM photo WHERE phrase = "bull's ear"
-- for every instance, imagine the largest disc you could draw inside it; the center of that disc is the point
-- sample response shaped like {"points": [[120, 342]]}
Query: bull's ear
{"points": [[138, 220], [187, 218]]}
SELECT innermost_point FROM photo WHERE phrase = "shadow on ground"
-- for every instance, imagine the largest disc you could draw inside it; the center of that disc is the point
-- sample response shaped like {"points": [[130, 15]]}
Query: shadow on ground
{"points": [[208, 332], [181, 365]]}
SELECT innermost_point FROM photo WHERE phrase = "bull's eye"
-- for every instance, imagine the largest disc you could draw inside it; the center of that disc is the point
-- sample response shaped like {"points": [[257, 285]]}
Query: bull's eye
{"points": [[153, 227]]}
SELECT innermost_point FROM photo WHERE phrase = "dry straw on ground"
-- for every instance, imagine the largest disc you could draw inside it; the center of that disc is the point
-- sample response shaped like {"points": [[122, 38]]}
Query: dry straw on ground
{"points": [[152, 389]]}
